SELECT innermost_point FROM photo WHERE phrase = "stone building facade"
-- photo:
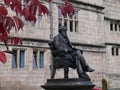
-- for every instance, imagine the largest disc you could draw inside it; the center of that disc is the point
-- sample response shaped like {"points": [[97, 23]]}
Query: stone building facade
{"points": [[95, 30]]}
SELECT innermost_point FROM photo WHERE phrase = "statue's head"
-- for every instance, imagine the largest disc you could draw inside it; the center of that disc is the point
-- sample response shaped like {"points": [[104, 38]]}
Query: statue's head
{"points": [[62, 30]]}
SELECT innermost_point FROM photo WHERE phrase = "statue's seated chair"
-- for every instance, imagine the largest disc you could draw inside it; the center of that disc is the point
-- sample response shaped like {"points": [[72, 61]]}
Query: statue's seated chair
{"points": [[60, 59]]}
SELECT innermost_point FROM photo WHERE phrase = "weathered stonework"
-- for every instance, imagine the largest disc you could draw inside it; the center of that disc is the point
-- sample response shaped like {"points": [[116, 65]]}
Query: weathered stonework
{"points": [[93, 37]]}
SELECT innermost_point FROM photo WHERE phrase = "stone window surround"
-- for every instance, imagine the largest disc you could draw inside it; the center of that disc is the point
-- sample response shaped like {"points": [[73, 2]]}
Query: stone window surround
{"points": [[71, 21], [115, 51], [36, 53], [17, 58], [114, 26]]}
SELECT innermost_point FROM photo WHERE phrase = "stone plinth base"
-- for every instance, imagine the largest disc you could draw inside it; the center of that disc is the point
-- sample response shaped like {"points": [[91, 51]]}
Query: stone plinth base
{"points": [[68, 84]]}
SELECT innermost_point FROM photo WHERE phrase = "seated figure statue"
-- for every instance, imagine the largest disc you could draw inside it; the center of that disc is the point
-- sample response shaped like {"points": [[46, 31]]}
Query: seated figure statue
{"points": [[65, 56]]}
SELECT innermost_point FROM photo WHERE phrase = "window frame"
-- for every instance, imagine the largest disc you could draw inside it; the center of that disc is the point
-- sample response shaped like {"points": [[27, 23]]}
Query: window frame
{"points": [[115, 51], [17, 60], [38, 23], [38, 60], [114, 26], [70, 19]]}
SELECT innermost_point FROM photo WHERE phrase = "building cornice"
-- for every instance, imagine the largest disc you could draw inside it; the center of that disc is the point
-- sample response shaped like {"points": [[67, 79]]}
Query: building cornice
{"points": [[40, 43], [113, 44], [87, 4], [113, 19], [84, 6], [74, 43], [89, 45]]}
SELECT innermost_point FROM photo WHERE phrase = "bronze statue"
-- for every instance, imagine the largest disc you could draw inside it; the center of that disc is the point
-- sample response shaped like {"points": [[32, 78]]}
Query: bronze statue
{"points": [[66, 56]]}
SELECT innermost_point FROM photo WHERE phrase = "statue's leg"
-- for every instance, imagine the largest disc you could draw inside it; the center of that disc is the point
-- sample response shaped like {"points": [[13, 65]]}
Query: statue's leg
{"points": [[78, 65], [53, 72], [80, 71], [83, 62], [66, 71]]}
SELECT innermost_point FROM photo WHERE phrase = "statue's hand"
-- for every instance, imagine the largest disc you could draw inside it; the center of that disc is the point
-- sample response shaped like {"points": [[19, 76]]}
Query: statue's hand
{"points": [[66, 51]]}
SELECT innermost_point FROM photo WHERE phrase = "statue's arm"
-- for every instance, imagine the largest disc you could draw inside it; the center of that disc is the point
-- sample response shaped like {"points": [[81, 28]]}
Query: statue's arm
{"points": [[58, 44]]}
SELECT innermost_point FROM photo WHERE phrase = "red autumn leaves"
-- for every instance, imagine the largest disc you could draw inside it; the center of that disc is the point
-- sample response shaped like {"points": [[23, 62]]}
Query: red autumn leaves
{"points": [[16, 40], [8, 22], [29, 10], [2, 57], [15, 5], [66, 8], [49, 1]]}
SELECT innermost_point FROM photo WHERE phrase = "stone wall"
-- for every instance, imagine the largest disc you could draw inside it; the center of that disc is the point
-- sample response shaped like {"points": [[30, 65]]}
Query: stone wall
{"points": [[111, 36], [92, 36], [112, 9], [89, 31], [112, 14], [112, 68], [22, 78]]}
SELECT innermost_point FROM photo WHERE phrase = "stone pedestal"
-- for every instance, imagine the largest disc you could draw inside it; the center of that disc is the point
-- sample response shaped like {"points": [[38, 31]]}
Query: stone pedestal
{"points": [[68, 84]]}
